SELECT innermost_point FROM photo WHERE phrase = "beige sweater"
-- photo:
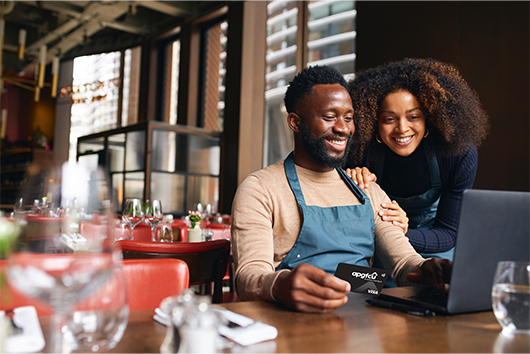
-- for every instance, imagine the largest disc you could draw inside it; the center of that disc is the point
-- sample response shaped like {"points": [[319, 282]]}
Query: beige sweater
{"points": [[266, 222]]}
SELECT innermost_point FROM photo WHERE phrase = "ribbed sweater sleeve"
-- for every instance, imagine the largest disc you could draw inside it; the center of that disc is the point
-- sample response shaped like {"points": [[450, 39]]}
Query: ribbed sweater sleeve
{"points": [[457, 174]]}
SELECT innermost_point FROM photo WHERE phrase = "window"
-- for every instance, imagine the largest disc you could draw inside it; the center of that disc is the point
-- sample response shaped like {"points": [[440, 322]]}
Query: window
{"points": [[171, 81], [331, 35], [94, 96], [281, 68], [213, 73], [131, 86], [328, 38]]}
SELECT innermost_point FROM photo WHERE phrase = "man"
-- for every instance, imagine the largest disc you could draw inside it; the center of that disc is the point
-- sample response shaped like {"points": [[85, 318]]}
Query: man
{"points": [[296, 220]]}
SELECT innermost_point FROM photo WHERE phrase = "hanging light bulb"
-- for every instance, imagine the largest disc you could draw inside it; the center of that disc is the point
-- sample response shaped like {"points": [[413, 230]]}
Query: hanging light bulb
{"points": [[132, 8], [21, 43], [55, 75], [42, 65]]}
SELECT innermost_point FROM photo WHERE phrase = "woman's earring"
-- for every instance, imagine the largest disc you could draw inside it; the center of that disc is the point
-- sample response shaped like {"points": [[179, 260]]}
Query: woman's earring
{"points": [[378, 139], [426, 134]]}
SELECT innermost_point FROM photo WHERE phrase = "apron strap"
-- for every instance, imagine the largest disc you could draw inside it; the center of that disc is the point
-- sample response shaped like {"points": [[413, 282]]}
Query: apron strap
{"points": [[434, 170], [353, 186], [292, 177]]}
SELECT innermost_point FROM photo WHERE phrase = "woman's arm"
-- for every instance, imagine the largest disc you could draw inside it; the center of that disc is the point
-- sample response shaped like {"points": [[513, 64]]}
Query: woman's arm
{"points": [[457, 174]]}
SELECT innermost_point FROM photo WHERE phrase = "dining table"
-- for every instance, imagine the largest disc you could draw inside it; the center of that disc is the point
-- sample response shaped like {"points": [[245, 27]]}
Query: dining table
{"points": [[354, 327]]}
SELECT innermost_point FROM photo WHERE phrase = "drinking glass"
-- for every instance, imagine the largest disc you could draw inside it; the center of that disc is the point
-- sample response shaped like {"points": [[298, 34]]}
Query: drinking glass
{"points": [[133, 213], [44, 266], [98, 322], [511, 296], [164, 233], [153, 215]]}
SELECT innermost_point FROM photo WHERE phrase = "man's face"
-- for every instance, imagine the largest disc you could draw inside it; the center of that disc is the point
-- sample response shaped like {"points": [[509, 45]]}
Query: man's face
{"points": [[326, 126]]}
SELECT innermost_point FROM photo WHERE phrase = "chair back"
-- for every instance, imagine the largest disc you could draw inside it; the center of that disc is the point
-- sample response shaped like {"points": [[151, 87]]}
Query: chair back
{"points": [[207, 261], [94, 230], [149, 281], [142, 232]]}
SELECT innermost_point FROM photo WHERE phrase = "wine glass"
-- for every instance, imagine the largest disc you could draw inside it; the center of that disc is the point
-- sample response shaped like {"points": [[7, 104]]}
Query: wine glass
{"points": [[153, 215], [133, 213], [98, 322], [47, 266], [41, 205]]}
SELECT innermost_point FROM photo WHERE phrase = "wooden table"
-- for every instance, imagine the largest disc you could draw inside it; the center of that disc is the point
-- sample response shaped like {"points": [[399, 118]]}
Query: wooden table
{"points": [[354, 327]]}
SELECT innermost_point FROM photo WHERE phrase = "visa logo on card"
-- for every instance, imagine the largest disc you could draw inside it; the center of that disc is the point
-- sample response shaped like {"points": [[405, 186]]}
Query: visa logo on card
{"points": [[363, 280]]}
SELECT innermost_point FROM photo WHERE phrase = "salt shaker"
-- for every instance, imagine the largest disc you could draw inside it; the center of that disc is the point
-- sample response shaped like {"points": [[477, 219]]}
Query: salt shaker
{"points": [[176, 307], [198, 329]]}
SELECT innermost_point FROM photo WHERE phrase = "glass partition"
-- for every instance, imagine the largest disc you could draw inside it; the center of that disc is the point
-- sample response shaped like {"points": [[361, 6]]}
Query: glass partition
{"points": [[135, 151], [91, 145], [116, 145], [164, 149], [181, 167]]}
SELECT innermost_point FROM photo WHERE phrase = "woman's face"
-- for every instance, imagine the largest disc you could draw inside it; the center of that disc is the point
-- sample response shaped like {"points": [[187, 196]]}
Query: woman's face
{"points": [[401, 122]]}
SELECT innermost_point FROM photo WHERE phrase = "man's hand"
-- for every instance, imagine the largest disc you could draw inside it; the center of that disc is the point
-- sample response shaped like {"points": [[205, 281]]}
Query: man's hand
{"points": [[309, 289], [432, 271], [394, 214], [361, 176]]}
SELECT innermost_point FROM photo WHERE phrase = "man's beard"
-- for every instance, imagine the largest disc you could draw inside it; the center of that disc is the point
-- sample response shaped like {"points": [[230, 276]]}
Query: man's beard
{"points": [[316, 148]]}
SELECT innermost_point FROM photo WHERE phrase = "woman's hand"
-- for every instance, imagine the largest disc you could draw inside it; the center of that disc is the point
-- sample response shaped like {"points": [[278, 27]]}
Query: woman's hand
{"points": [[393, 213], [361, 176]]}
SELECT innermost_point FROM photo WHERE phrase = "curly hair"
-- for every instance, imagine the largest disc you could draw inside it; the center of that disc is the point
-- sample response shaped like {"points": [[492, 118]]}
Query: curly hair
{"points": [[453, 113], [303, 83]]}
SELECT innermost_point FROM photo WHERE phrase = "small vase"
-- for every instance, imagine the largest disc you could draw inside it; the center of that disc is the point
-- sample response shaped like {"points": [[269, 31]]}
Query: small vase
{"points": [[195, 234]]}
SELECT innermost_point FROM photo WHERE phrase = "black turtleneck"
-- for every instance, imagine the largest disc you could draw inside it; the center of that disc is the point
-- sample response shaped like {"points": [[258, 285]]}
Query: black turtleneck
{"points": [[409, 176], [405, 176]]}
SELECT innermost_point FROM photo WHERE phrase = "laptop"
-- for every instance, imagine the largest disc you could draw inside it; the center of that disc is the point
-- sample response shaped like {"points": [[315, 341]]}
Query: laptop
{"points": [[494, 226]]}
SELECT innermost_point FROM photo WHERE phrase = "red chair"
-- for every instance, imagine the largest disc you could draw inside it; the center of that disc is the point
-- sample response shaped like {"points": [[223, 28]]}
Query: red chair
{"points": [[149, 281], [90, 230], [207, 261]]}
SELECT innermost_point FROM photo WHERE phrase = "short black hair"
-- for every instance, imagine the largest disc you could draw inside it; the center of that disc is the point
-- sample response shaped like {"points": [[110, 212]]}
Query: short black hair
{"points": [[303, 83]]}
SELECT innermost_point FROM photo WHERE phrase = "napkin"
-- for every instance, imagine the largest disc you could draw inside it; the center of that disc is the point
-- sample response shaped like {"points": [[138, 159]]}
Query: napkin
{"points": [[30, 339], [245, 332], [249, 332], [162, 317]]}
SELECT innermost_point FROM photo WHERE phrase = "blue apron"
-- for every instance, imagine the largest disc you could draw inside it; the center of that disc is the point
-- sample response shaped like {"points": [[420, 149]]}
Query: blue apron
{"points": [[333, 235], [421, 209]]}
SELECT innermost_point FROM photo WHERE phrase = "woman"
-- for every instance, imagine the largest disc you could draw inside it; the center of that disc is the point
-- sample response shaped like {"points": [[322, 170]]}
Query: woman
{"points": [[418, 126]]}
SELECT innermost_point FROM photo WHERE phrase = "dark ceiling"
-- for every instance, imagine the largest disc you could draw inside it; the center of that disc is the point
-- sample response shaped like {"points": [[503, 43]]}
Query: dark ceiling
{"points": [[72, 28]]}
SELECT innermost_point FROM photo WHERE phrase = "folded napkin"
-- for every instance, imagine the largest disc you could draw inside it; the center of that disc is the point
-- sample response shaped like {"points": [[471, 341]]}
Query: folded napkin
{"points": [[30, 339], [242, 330], [248, 331], [162, 317]]}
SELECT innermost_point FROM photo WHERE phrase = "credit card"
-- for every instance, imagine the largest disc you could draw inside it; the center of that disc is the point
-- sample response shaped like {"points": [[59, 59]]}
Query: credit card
{"points": [[363, 280]]}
